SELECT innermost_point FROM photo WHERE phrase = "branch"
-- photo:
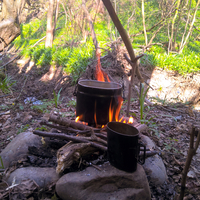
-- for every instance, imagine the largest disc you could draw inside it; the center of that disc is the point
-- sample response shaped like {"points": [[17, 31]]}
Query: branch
{"points": [[67, 123], [10, 61], [70, 138]]}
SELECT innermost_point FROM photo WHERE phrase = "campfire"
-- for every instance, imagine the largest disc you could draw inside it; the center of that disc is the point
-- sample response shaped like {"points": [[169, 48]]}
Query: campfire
{"points": [[98, 102]]}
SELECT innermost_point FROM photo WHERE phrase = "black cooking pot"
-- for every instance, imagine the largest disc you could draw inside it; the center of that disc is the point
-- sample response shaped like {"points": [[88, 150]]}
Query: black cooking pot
{"points": [[123, 146], [94, 98]]}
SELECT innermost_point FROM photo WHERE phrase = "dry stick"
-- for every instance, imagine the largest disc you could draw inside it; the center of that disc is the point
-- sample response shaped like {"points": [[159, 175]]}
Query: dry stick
{"points": [[10, 61], [191, 153], [67, 123], [131, 63], [91, 25], [67, 137], [127, 43], [63, 128], [6, 95]]}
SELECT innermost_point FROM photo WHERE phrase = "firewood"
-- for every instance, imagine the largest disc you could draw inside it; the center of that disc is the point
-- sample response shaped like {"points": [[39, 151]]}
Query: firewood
{"points": [[70, 138], [68, 123], [64, 128], [71, 153]]}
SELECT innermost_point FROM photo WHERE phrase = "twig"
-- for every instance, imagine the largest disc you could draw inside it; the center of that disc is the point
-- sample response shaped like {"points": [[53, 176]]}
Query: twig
{"points": [[9, 61], [67, 137], [170, 109], [6, 95], [191, 153], [63, 128], [5, 113], [66, 122], [149, 153]]}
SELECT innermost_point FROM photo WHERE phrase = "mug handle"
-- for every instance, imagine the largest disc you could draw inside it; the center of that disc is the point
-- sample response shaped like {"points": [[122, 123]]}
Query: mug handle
{"points": [[142, 160]]}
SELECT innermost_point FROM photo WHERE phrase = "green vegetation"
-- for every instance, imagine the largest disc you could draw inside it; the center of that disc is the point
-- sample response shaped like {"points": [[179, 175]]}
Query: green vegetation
{"points": [[6, 84], [43, 107], [142, 96], [2, 166], [23, 128], [73, 51], [56, 97]]}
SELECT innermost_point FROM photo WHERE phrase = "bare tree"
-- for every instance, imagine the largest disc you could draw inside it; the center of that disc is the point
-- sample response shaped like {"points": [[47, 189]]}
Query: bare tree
{"points": [[50, 25], [183, 42], [144, 26]]}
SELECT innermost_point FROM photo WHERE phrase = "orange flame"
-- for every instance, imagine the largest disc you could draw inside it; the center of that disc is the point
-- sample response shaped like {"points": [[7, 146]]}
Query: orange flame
{"points": [[80, 118], [77, 119], [99, 73], [111, 110], [95, 114], [120, 102], [130, 120]]}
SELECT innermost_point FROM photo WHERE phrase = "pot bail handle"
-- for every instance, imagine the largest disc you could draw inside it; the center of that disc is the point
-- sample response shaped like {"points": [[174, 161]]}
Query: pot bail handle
{"points": [[141, 159]]}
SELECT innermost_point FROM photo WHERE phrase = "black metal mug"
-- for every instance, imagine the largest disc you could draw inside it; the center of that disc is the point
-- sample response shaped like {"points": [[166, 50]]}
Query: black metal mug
{"points": [[123, 146]]}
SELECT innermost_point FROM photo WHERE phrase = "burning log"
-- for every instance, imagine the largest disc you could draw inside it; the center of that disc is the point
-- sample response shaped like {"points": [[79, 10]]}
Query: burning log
{"points": [[101, 135], [68, 123]]}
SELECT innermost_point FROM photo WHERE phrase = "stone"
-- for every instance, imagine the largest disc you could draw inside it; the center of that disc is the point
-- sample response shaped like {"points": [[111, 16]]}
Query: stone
{"points": [[107, 183], [42, 176], [154, 166], [155, 169], [18, 147], [147, 142]]}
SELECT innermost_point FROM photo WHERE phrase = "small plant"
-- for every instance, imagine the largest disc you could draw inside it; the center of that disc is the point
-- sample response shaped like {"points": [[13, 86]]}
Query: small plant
{"points": [[42, 128], [23, 128], [56, 97], [142, 99], [170, 146], [6, 84], [72, 103], [2, 166], [43, 107]]}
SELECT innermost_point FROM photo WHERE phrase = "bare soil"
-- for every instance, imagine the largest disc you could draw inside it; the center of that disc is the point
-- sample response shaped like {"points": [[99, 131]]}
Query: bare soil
{"points": [[175, 110]]}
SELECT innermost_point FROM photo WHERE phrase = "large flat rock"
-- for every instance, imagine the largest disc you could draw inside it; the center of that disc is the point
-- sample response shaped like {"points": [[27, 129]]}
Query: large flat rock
{"points": [[107, 183]]}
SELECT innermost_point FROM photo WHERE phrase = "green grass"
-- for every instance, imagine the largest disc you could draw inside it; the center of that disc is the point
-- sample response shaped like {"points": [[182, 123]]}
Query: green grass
{"points": [[73, 55], [6, 84]]}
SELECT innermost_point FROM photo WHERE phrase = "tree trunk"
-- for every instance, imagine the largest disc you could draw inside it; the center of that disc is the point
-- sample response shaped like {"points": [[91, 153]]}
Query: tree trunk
{"points": [[50, 26], [144, 26], [9, 25], [171, 40]]}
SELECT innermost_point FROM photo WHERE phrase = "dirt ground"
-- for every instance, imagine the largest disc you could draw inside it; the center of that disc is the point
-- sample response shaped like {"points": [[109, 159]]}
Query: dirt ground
{"points": [[175, 109]]}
